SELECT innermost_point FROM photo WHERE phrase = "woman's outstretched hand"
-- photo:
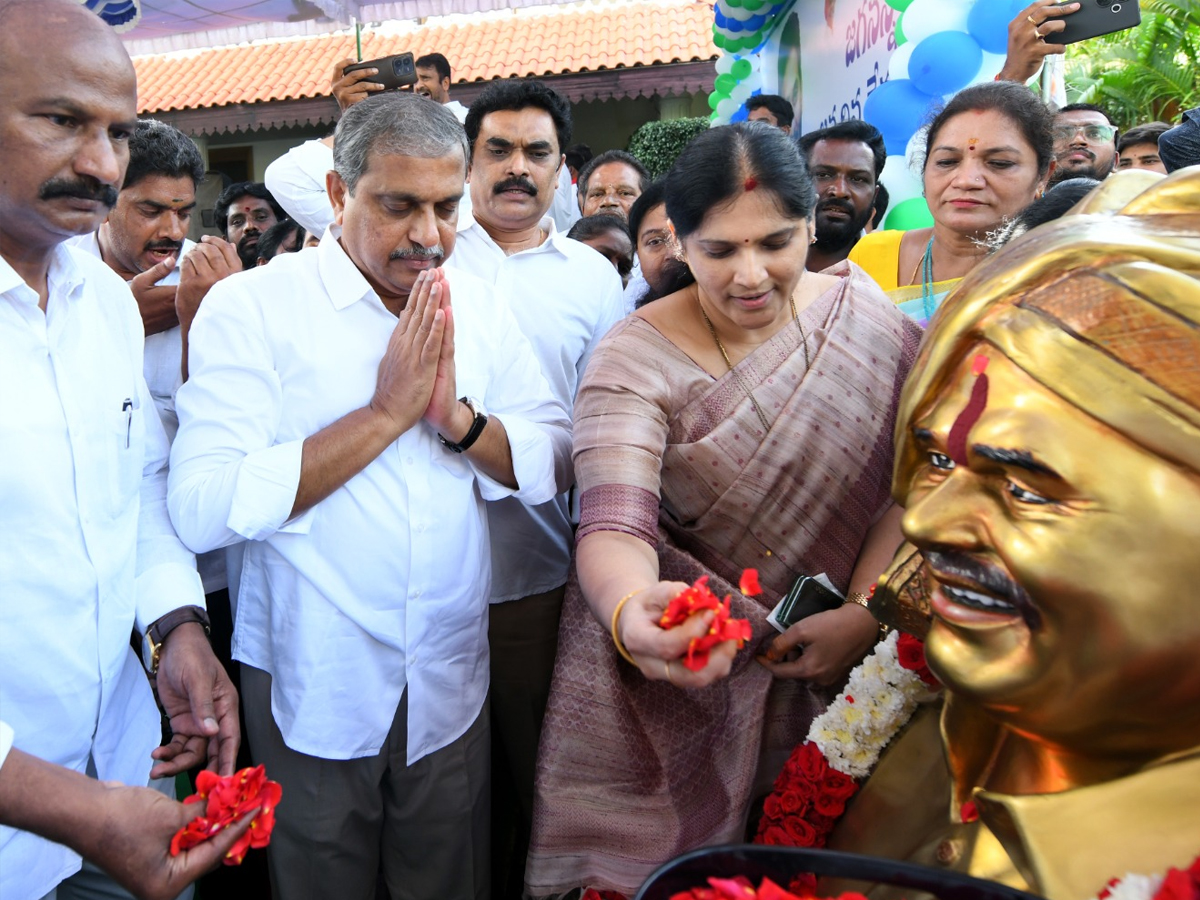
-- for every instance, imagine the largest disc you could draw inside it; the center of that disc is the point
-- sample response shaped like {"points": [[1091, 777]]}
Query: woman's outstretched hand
{"points": [[658, 651], [831, 644]]}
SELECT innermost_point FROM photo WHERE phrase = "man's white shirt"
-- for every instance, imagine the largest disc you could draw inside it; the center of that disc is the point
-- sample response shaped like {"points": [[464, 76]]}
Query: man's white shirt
{"points": [[384, 584], [88, 549], [163, 355], [565, 296]]}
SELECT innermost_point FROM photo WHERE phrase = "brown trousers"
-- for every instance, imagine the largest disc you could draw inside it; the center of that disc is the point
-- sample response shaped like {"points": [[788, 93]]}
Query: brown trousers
{"points": [[343, 822]]}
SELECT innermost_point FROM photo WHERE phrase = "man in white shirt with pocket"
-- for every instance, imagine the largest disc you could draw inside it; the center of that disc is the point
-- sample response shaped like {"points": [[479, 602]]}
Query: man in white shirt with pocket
{"points": [[348, 412], [88, 549], [565, 297]]}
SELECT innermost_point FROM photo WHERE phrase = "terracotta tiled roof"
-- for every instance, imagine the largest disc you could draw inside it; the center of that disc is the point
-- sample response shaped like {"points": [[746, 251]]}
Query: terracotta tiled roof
{"points": [[536, 42]]}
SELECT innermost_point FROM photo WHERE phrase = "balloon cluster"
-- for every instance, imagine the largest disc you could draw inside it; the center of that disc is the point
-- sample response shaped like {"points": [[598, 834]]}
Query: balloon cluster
{"points": [[941, 47], [740, 29]]}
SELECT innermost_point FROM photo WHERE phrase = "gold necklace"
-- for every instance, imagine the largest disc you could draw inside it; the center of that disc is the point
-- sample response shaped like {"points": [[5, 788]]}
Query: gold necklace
{"points": [[713, 331]]}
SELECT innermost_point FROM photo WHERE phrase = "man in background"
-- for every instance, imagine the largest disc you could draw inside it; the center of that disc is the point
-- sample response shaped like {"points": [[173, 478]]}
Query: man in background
{"points": [[433, 81], [1137, 148], [243, 212], [845, 161], [610, 182], [1085, 143], [772, 109], [608, 235]]}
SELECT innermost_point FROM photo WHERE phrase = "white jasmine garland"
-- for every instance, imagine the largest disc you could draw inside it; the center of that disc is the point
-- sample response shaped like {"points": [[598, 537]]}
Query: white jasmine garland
{"points": [[879, 699], [1134, 887]]}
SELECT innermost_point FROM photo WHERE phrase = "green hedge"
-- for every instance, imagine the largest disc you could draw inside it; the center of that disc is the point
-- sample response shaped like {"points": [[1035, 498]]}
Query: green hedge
{"points": [[657, 144]]}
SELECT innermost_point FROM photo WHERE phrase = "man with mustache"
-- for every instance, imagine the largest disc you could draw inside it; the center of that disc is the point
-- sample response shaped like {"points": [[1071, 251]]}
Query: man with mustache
{"points": [[243, 212], [1085, 143], [88, 551], [349, 410], [565, 297], [845, 161], [1046, 457], [143, 240]]}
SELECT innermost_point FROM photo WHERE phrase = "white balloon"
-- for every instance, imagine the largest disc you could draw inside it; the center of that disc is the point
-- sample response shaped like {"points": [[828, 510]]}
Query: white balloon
{"points": [[926, 17], [725, 63], [738, 12], [992, 64], [901, 183], [726, 108], [898, 64], [740, 93]]}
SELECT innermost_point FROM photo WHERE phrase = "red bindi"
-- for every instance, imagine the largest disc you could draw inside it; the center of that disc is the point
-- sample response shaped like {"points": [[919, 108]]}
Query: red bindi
{"points": [[750, 183]]}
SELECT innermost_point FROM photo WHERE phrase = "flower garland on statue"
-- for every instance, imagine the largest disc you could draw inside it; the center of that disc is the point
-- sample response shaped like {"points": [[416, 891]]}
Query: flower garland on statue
{"points": [[1176, 884], [845, 742]]}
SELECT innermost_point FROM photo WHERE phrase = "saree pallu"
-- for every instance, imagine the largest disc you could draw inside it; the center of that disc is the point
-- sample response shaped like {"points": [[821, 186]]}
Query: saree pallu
{"points": [[632, 772]]}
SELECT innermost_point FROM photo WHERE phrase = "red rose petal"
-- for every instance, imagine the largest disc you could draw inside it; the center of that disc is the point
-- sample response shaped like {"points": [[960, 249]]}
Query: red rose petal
{"points": [[748, 584], [228, 800]]}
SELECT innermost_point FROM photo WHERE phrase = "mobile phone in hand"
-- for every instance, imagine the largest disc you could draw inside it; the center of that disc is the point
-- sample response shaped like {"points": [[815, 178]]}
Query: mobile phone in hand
{"points": [[1096, 17], [394, 71]]}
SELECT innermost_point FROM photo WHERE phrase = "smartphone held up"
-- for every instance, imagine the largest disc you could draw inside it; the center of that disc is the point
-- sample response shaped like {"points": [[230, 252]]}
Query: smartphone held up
{"points": [[1097, 17]]}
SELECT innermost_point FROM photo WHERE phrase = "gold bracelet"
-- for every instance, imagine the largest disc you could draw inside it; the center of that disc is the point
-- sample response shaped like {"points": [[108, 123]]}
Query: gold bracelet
{"points": [[615, 618], [864, 601]]}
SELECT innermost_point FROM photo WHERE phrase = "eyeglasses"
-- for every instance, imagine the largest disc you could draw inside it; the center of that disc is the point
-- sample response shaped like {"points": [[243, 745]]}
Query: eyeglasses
{"points": [[1094, 134]]}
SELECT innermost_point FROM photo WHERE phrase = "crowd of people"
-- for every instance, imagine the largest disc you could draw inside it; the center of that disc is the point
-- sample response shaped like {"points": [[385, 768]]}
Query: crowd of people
{"points": [[393, 479]]}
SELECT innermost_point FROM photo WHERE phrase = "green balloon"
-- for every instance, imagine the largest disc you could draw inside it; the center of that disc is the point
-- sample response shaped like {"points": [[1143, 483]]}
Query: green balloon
{"points": [[725, 83], [901, 40], [754, 5], [735, 4], [719, 40], [899, 5], [714, 98], [741, 70], [912, 213]]}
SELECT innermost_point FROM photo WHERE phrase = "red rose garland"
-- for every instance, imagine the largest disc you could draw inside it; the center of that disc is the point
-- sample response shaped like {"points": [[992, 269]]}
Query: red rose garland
{"points": [[809, 794], [227, 799], [741, 888]]}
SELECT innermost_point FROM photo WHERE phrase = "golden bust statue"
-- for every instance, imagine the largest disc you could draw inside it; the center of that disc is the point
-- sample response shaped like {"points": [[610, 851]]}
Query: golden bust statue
{"points": [[1048, 459]]}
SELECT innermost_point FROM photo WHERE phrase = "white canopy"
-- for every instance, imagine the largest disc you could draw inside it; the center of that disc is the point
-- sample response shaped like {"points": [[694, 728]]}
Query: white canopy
{"points": [[165, 25]]}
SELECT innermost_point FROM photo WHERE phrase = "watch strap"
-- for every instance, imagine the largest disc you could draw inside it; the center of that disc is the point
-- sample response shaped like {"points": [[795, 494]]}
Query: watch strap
{"points": [[473, 432], [157, 633]]}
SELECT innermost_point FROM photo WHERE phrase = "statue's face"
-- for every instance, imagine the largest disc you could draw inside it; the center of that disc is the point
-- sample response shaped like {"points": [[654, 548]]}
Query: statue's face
{"points": [[1063, 563]]}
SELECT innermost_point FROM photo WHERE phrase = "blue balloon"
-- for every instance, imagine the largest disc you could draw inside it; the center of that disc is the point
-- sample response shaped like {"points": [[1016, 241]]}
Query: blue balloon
{"points": [[988, 23], [897, 108], [739, 116], [945, 62], [720, 19]]}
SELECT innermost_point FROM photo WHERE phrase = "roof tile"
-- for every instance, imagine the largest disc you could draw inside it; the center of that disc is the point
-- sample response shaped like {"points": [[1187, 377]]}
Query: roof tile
{"points": [[542, 41]]}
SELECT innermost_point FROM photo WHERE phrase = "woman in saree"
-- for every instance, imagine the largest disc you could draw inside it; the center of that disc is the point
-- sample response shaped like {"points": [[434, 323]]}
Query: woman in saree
{"points": [[744, 421], [988, 155]]}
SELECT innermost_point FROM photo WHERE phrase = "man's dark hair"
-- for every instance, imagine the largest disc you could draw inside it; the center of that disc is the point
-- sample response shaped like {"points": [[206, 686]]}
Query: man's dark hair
{"points": [[775, 105], [1149, 133], [518, 94], [1180, 147], [1050, 206], [591, 226], [434, 61], [651, 197], [882, 199], [1086, 107], [852, 130], [156, 148], [611, 156], [280, 235], [577, 156], [242, 189]]}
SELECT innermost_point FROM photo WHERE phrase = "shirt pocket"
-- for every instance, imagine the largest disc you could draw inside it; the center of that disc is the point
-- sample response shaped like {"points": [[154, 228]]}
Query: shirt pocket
{"points": [[125, 438]]}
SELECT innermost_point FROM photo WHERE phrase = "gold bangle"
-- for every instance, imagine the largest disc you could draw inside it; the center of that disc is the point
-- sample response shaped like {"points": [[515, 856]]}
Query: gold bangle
{"points": [[615, 618]]}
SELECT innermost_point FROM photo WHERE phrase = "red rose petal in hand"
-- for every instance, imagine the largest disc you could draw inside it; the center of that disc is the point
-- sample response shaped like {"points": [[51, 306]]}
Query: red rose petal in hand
{"points": [[228, 799], [748, 584]]}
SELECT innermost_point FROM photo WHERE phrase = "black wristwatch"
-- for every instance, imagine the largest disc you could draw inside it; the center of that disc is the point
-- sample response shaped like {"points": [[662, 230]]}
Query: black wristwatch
{"points": [[473, 432], [157, 633]]}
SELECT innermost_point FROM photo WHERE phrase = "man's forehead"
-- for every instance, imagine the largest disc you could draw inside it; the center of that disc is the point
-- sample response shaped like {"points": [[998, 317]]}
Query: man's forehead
{"points": [[1081, 117], [518, 126], [163, 189], [615, 172], [834, 151]]}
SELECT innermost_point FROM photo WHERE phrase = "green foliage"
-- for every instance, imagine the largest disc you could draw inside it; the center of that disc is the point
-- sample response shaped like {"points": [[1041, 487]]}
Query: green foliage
{"points": [[657, 144], [1149, 72]]}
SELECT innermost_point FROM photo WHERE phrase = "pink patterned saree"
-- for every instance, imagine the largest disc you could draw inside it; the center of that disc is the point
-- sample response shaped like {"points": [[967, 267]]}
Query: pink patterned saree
{"points": [[633, 772]]}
